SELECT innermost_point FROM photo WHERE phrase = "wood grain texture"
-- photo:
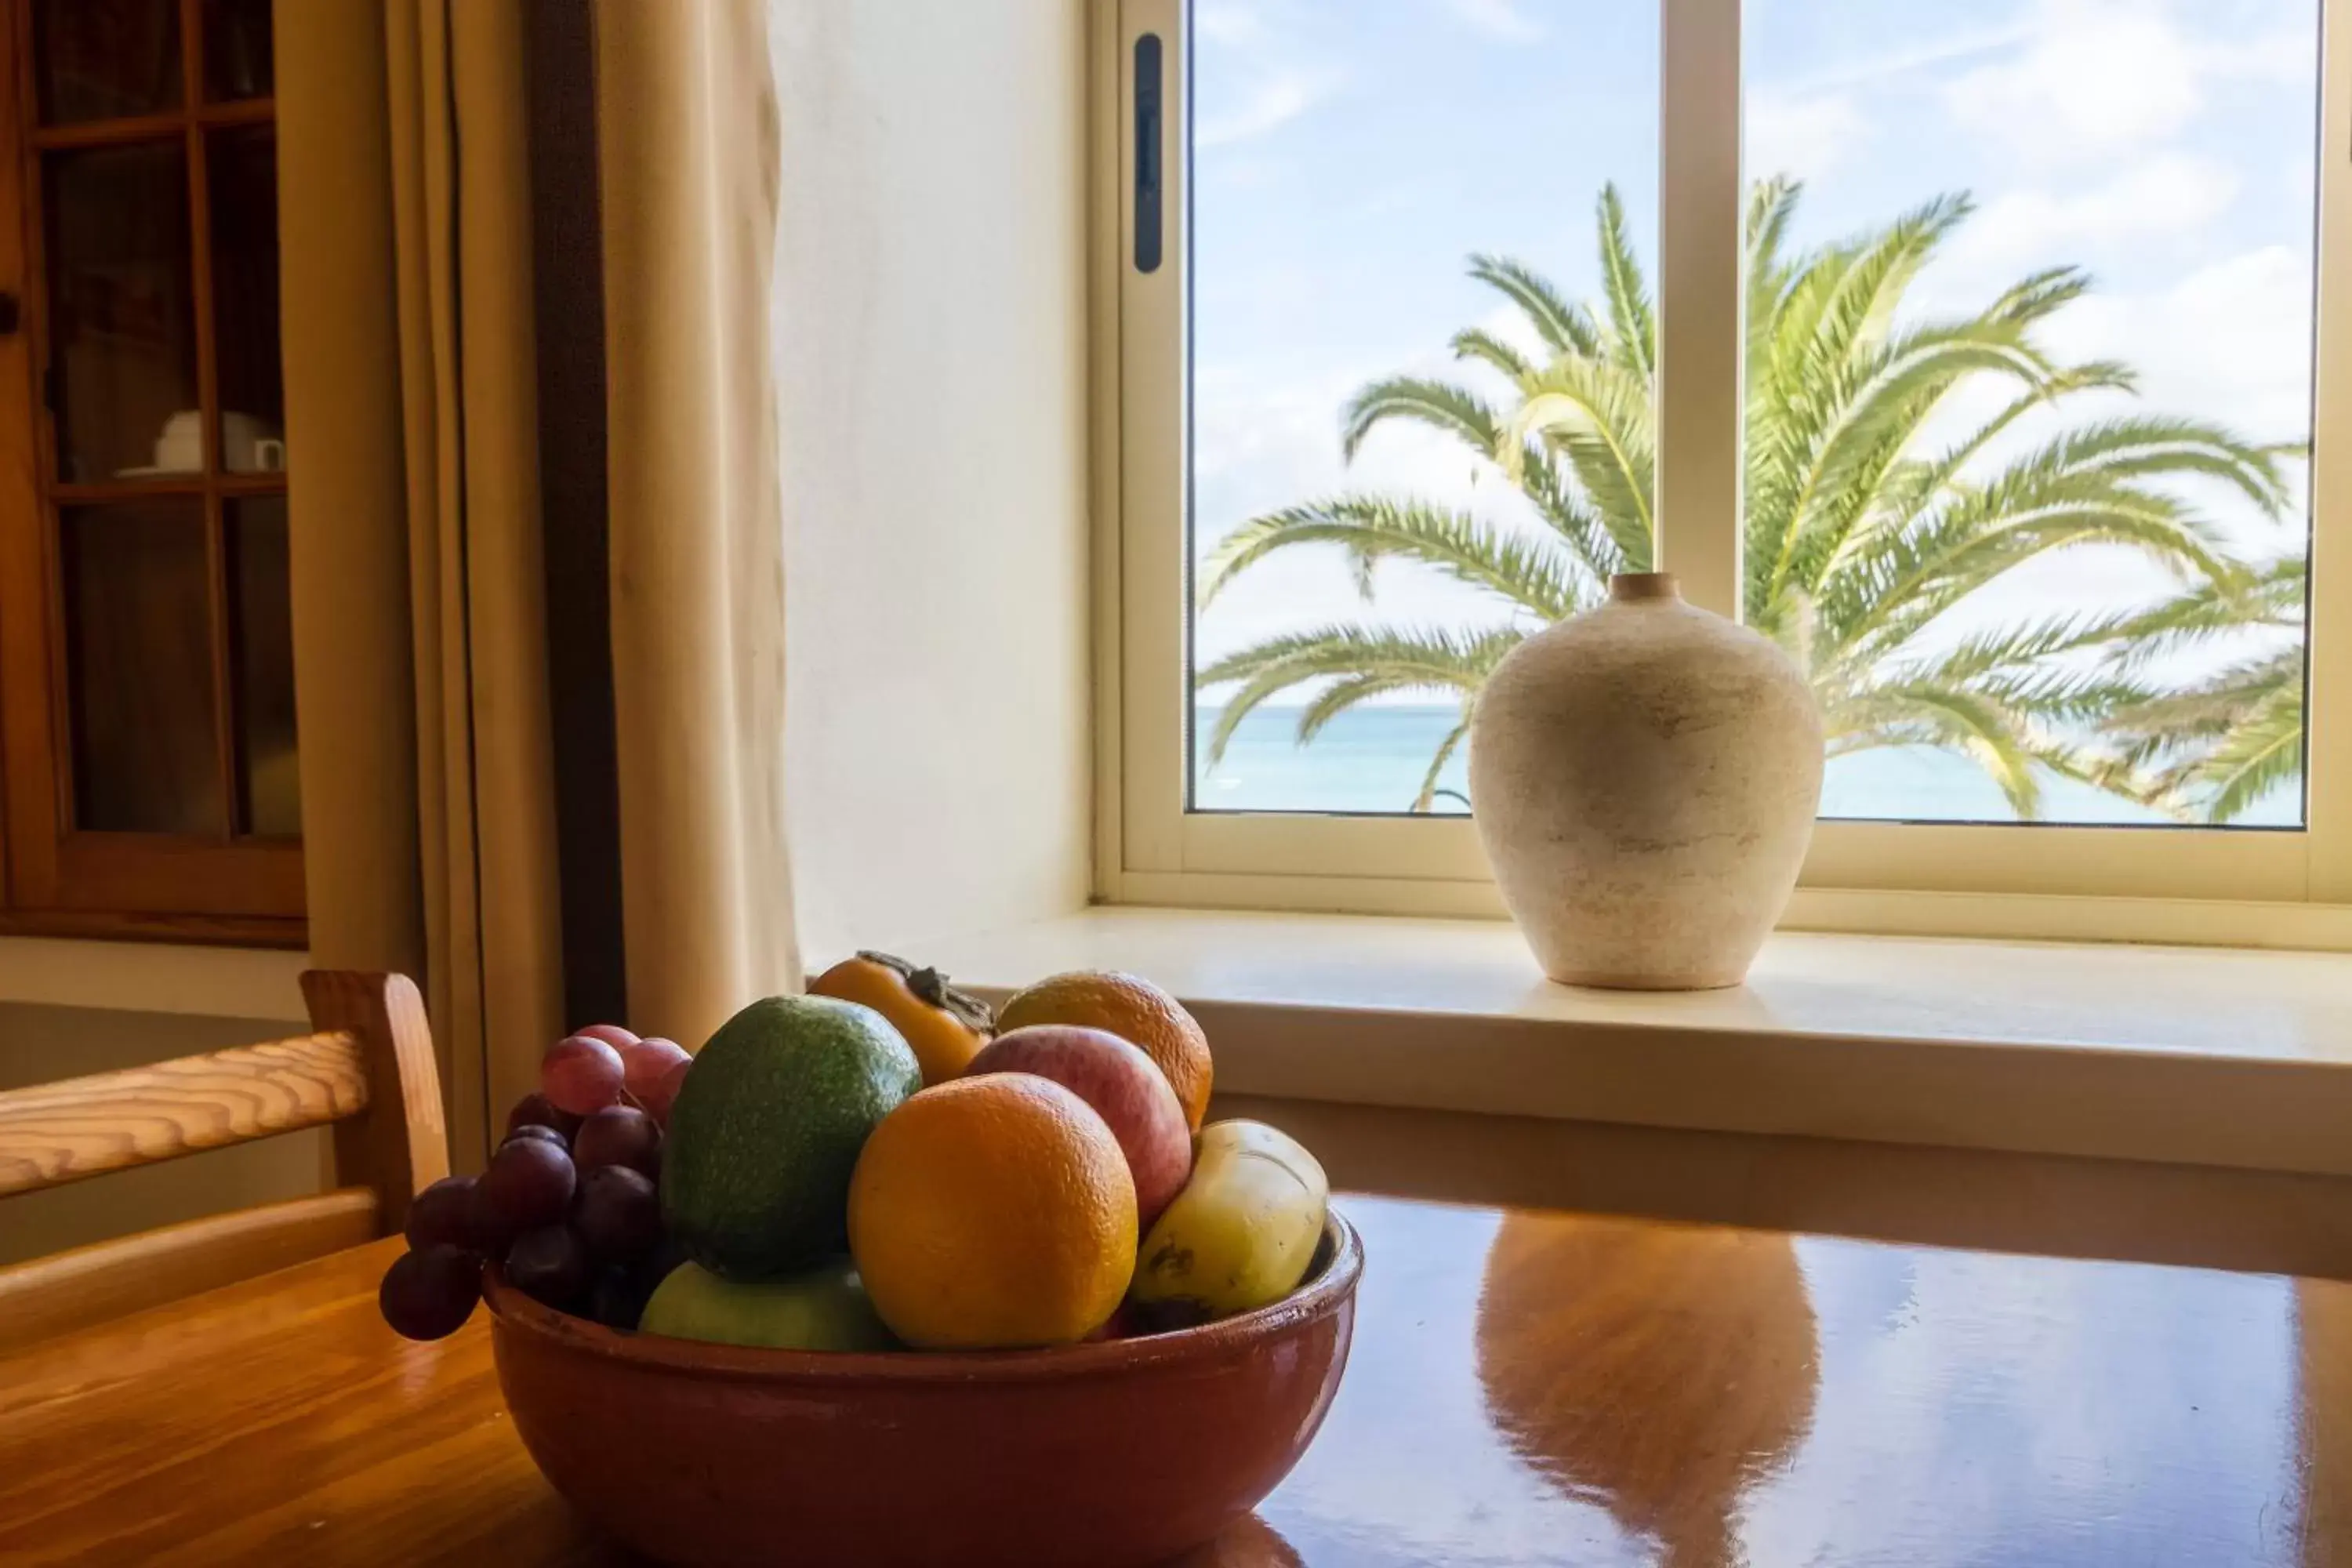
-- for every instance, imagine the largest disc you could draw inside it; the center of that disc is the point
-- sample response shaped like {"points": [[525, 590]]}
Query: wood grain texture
{"points": [[108, 1279], [400, 1147], [200, 930], [1527, 1388], [84, 1127]]}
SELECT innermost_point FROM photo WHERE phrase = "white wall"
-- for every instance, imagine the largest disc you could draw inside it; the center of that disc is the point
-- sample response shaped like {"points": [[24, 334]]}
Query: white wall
{"points": [[929, 350]]}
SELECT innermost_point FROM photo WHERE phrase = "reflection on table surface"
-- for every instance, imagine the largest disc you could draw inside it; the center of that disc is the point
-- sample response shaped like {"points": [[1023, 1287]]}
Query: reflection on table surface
{"points": [[1526, 1387], [1532, 1388]]}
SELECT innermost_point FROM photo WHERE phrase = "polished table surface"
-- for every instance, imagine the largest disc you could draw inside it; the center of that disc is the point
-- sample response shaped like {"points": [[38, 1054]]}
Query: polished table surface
{"points": [[1526, 1388]]}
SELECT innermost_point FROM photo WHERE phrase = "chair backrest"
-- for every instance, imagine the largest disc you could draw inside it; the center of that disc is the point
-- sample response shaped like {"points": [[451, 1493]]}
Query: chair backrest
{"points": [[367, 1069]]}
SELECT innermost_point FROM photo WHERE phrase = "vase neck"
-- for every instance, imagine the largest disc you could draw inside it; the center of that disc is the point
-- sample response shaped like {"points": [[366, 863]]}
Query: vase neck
{"points": [[1629, 588]]}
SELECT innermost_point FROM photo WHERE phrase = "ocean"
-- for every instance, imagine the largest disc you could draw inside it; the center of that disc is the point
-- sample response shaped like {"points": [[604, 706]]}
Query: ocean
{"points": [[1372, 758]]}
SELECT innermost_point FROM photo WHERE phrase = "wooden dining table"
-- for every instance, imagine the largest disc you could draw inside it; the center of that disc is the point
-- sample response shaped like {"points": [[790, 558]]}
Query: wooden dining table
{"points": [[1527, 1386]]}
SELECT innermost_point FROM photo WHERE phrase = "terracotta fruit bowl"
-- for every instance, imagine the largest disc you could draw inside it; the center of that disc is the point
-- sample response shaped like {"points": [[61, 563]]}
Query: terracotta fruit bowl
{"points": [[1111, 1455]]}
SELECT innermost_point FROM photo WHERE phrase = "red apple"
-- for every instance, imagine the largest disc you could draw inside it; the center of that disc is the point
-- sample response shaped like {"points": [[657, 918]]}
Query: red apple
{"points": [[1126, 1089]]}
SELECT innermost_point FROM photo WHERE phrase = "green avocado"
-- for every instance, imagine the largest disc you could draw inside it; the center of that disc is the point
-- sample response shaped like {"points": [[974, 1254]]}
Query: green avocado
{"points": [[766, 1130], [822, 1308]]}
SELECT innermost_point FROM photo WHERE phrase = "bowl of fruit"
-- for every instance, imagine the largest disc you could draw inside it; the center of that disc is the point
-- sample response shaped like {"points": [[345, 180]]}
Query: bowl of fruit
{"points": [[875, 1277]]}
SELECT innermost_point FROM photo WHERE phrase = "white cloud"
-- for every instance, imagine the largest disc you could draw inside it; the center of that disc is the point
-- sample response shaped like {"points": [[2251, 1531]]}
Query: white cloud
{"points": [[1875, 70], [2229, 341], [2172, 194], [1806, 137], [2099, 76], [1271, 102], [2288, 56], [1500, 20]]}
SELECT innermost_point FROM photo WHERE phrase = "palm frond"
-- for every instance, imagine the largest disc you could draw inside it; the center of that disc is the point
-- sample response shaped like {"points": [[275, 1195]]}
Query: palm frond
{"points": [[1565, 327], [1455, 410], [2271, 595], [1427, 798], [1598, 416], [2259, 755], [2037, 296], [1874, 407], [1923, 713], [2221, 745], [1525, 571], [1602, 551], [1478, 344], [1633, 326], [1398, 660]]}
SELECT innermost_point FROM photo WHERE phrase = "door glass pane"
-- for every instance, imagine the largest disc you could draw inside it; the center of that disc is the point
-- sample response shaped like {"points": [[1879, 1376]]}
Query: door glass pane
{"points": [[2029, 399], [138, 668], [1413, 223], [237, 49], [243, 194], [121, 316], [263, 630], [103, 59]]}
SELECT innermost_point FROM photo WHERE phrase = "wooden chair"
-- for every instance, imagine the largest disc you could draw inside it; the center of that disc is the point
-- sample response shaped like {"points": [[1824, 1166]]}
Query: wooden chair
{"points": [[368, 1070]]}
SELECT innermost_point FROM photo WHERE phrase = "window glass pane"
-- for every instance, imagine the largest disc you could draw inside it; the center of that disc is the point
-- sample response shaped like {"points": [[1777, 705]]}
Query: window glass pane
{"points": [[244, 195], [1408, 215], [123, 338], [138, 668], [237, 61], [2028, 394], [261, 624], [104, 59]]}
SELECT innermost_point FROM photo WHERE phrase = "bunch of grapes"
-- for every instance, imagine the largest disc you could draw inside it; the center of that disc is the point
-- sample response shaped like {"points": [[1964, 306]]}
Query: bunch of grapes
{"points": [[569, 1203]]}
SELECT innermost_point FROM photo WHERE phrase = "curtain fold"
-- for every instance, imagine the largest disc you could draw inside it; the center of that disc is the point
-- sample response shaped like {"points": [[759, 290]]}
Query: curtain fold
{"points": [[687, 167], [419, 578], [419, 584]]}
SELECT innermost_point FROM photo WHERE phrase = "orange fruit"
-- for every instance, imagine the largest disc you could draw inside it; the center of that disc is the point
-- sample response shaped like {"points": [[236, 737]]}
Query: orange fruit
{"points": [[991, 1213], [945, 1026], [1136, 1011]]}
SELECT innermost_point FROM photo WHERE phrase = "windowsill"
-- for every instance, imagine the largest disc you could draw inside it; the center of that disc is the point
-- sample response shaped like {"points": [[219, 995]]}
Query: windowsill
{"points": [[2211, 1056]]}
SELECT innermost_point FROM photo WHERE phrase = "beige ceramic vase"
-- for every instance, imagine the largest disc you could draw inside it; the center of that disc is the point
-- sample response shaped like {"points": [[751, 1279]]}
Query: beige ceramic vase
{"points": [[1644, 777]]}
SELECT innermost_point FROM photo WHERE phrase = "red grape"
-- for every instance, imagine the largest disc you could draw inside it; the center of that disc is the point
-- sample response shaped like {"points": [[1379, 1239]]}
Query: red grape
{"points": [[529, 1184], [580, 1073], [643, 1065], [429, 1294], [612, 1034], [617, 1214], [549, 1265], [538, 1111], [618, 1299], [619, 1135], [545, 1134], [658, 1100], [443, 1214], [656, 1266]]}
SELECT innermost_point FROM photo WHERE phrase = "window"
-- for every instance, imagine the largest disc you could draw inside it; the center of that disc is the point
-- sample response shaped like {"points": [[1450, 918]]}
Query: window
{"points": [[146, 684], [2003, 356]]}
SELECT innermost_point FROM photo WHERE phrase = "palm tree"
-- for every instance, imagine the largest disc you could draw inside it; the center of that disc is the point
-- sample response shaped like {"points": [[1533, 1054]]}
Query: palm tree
{"points": [[2208, 751], [1864, 529]]}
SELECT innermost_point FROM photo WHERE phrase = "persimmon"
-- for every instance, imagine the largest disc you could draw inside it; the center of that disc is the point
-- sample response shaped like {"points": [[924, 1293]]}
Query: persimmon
{"points": [[945, 1026]]}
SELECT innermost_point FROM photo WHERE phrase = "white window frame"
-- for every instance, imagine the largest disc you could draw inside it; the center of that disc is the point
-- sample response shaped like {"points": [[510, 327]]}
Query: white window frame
{"points": [[2242, 886]]}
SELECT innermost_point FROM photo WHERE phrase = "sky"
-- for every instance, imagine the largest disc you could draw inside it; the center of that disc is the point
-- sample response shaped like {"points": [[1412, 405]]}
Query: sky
{"points": [[1349, 154]]}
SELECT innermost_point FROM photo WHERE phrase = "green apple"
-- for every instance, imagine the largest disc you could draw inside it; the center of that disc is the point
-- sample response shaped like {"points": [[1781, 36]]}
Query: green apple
{"points": [[821, 1308]]}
